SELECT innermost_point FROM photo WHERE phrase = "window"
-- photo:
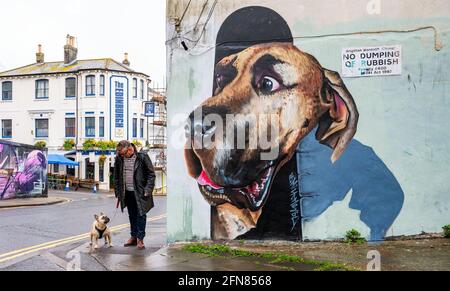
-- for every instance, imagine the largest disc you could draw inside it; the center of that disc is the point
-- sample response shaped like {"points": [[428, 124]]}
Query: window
{"points": [[42, 89], [102, 127], [56, 169], [135, 84], [134, 127], [71, 85], [7, 90], [142, 128], [70, 127], [90, 85], [102, 85], [142, 89], [41, 128], [7, 128], [90, 126]]}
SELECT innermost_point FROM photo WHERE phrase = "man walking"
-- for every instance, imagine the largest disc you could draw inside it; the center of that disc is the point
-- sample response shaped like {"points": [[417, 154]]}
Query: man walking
{"points": [[134, 178]]}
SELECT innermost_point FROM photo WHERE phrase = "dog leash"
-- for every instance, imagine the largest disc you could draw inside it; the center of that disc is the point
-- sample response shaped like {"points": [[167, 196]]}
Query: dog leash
{"points": [[117, 210]]}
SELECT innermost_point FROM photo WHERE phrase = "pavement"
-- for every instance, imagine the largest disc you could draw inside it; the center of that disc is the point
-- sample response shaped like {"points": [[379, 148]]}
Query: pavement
{"points": [[425, 255], [32, 238], [55, 238], [27, 202]]}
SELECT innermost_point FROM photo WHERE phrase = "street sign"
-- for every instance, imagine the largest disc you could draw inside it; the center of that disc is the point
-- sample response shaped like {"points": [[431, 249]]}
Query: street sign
{"points": [[372, 61], [149, 109]]}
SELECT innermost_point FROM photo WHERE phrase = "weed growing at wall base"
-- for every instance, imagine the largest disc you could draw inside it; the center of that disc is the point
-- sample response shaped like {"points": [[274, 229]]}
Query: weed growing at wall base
{"points": [[354, 237], [225, 251], [446, 231]]}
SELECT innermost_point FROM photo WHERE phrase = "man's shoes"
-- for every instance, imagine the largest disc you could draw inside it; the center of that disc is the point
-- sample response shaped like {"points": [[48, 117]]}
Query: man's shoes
{"points": [[132, 242], [140, 244]]}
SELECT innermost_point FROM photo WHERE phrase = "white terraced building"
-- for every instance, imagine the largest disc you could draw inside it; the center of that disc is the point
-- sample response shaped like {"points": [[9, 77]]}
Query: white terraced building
{"points": [[99, 99]]}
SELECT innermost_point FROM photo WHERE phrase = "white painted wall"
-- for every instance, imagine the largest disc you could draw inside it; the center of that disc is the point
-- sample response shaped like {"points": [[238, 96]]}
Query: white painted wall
{"points": [[403, 118]]}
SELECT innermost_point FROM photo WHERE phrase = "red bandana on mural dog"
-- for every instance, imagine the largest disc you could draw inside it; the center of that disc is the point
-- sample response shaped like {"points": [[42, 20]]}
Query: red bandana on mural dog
{"points": [[263, 81]]}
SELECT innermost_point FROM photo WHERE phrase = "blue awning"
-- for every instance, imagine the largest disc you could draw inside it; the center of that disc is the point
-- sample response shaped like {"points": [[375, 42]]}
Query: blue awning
{"points": [[60, 160]]}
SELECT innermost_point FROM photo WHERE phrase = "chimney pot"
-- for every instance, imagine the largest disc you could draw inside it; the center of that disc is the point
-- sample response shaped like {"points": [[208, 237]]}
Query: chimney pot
{"points": [[126, 62], [70, 51], [40, 55]]}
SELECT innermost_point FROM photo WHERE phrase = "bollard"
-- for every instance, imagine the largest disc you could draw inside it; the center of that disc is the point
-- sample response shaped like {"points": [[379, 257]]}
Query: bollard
{"points": [[95, 189]]}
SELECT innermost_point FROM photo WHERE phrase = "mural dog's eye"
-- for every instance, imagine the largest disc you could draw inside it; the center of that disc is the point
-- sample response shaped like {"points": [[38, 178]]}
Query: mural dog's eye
{"points": [[269, 85]]}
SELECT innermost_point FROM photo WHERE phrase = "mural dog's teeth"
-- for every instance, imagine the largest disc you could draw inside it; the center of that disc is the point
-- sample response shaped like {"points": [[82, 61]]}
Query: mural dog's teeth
{"points": [[212, 197]]}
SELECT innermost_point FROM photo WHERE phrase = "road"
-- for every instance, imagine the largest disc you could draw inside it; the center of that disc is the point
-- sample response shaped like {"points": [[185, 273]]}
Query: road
{"points": [[30, 231]]}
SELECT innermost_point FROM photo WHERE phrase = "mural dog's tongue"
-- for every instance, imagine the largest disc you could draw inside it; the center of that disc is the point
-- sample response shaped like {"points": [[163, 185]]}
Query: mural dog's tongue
{"points": [[204, 180]]}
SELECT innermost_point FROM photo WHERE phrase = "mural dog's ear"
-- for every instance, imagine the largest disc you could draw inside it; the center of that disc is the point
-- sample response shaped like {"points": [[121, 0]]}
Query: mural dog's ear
{"points": [[338, 126], [224, 73]]}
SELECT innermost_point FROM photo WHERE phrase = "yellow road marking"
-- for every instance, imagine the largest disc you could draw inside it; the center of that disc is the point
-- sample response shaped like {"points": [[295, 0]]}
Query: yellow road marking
{"points": [[25, 251]]}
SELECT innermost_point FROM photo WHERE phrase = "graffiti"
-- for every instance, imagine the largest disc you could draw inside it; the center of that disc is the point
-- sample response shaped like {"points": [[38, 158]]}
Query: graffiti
{"points": [[375, 189], [261, 73], [23, 171], [271, 80], [295, 200]]}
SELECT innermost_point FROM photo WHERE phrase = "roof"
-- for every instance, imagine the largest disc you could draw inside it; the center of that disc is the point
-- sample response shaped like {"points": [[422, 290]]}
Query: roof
{"points": [[62, 153], [16, 144], [60, 160], [60, 67]]}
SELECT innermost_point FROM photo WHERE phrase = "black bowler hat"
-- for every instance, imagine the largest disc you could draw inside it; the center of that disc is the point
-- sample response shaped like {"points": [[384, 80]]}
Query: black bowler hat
{"points": [[250, 26]]}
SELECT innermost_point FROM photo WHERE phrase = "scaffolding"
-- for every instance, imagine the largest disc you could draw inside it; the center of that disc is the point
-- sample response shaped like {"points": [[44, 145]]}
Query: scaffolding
{"points": [[157, 137]]}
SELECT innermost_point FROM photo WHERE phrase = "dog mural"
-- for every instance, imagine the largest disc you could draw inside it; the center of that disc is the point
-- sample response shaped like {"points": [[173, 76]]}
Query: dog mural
{"points": [[266, 79], [259, 72]]}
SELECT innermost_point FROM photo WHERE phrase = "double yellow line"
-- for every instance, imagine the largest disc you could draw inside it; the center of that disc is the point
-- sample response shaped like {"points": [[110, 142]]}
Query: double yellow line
{"points": [[53, 244]]}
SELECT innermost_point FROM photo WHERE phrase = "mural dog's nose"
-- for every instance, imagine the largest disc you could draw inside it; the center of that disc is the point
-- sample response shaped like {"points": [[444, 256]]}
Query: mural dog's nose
{"points": [[200, 126], [203, 131]]}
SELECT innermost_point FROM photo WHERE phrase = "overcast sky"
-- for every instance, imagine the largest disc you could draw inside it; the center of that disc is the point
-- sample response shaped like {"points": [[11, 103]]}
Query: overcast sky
{"points": [[104, 29]]}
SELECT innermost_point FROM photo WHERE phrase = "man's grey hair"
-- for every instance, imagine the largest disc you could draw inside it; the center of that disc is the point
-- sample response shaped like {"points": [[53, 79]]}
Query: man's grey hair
{"points": [[123, 145]]}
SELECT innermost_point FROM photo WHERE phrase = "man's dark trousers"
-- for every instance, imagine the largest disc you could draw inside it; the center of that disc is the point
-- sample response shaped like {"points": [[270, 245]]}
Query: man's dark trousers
{"points": [[138, 223]]}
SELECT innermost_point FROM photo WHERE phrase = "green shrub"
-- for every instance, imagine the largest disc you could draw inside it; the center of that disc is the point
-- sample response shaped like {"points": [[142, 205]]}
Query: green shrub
{"points": [[69, 144], [40, 144], [102, 145], [446, 231], [354, 236], [89, 144], [112, 145], [137, 143]]}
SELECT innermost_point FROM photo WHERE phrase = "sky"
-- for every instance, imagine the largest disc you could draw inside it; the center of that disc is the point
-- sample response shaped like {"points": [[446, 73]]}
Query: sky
{"points": [[103, 28]]}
